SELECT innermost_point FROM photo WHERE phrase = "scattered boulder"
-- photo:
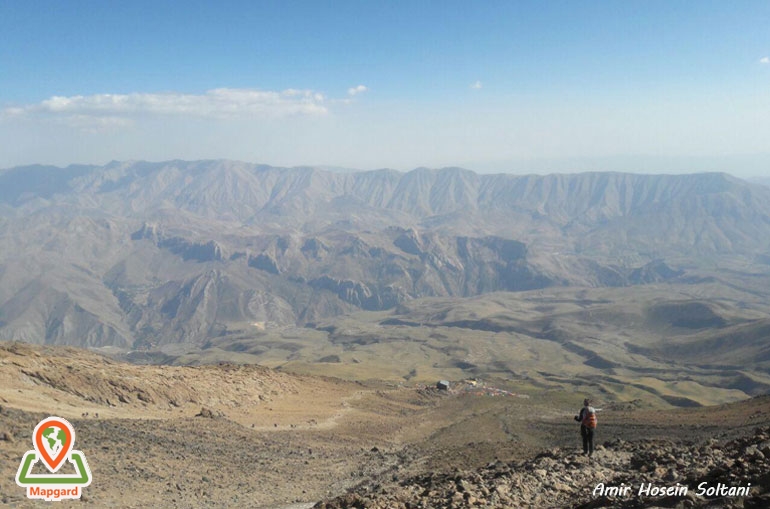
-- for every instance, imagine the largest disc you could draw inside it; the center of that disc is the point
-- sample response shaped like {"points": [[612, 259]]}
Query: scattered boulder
{"points": [[559, 478], [205, 413]]}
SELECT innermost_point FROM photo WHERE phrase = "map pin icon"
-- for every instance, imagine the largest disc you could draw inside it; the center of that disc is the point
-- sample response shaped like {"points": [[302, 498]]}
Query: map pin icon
{"points": [[53, 440]]}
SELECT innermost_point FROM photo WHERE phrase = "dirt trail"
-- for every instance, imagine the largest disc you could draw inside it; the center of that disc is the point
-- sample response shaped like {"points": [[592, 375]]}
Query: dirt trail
{"points": [[344, 410]]}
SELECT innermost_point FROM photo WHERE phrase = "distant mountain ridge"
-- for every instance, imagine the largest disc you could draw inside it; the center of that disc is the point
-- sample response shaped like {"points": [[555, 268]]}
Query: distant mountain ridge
{"points": [[240, 189], [138, 253]]}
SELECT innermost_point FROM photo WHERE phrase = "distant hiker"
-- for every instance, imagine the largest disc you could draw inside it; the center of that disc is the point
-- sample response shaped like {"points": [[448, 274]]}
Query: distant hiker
{"points": [[587, 420]]}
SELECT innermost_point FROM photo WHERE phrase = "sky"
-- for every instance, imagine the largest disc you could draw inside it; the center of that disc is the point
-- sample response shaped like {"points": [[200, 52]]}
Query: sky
{"points": [[511, 86]]}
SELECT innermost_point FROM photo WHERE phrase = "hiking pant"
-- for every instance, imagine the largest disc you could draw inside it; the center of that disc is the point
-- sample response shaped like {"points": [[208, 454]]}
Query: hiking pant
{"points": [[588, 439]]}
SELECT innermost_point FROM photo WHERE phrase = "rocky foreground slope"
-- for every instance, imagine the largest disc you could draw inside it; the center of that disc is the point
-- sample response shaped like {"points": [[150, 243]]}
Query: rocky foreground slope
{"points": [[272, 440], [711, 471]]}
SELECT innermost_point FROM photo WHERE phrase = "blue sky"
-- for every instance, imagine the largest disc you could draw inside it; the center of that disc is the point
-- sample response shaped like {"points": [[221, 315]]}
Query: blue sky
{"points": [[493, 86]]}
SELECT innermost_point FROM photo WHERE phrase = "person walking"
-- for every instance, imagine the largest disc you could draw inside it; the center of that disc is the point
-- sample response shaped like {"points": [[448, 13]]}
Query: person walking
{"points": [[587, 420]]}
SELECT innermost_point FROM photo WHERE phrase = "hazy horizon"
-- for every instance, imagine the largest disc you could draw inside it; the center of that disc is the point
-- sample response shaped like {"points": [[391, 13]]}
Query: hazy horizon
{"points": [[635, 165], [498, 87]]}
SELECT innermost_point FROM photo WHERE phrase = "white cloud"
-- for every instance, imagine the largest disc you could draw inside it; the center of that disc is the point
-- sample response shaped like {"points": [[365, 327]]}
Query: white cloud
{"points": [[476, 86], [357, 90], [764, 60], [102, 110]]}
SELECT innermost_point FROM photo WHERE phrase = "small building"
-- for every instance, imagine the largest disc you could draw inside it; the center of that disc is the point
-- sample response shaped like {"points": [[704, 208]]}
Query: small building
{"points": [[442, 385]]}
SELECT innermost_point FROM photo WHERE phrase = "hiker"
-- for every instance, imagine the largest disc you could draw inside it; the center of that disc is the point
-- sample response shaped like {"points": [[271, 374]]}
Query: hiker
{"points": [[587, 420]]}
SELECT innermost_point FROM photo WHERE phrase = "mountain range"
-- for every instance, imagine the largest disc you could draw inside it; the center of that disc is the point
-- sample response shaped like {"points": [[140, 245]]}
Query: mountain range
{"points": [[139, 255]]}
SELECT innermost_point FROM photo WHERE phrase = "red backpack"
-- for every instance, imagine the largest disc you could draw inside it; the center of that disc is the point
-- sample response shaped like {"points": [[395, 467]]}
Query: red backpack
{"points": [[589, 418]]}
